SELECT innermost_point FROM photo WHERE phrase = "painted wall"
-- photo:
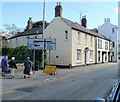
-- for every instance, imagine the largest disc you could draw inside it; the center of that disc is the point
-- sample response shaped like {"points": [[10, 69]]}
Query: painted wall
{"points": [[82, 45], [66, 50], [111, 32], [102, 51], [63, 52], [20, 41]]}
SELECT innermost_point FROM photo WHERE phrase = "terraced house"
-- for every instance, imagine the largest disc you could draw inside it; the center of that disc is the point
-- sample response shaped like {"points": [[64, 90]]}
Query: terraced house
{"points": [[75, 44]]}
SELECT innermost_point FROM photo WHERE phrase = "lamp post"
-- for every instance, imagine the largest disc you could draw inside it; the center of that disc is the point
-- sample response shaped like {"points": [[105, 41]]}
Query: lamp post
{"points": [[43, 32]]}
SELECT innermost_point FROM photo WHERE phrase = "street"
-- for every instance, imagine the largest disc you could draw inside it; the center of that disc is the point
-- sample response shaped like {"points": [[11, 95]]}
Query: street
{"points": [[80, 83]]}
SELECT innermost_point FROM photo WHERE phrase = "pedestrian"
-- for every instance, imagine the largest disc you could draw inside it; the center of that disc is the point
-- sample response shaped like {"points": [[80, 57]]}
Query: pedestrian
{"points": [[27, 67], [12, 66], [4, 66]]}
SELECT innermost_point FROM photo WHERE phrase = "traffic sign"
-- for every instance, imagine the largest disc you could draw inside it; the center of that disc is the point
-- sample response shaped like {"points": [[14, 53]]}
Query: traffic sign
{"points": [[35, 44], [50, 44], [41, 44]]}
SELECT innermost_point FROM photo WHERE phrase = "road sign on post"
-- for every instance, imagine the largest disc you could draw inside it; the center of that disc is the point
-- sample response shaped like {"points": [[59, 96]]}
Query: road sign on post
{"points": [[50, 44], [35, 44], [41, 44]]}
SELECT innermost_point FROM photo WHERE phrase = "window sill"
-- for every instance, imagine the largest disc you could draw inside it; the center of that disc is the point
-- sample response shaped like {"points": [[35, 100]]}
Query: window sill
{"points": [[91, 60], [78, 62], [78, 42], [65, 40]]}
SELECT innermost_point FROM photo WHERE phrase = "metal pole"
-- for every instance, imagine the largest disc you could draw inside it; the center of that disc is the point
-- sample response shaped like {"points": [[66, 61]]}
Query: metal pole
{"points": [[49, 50], [34, 62], [43, 33]]}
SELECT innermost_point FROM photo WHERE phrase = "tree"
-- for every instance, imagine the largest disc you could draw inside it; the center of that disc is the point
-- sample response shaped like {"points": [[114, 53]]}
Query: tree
{"points": [[38, 24], [10, 30]]}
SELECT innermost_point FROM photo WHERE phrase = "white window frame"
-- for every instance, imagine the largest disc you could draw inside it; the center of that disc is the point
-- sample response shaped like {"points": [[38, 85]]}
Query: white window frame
{"points": [[79, 55], [91, 55]]}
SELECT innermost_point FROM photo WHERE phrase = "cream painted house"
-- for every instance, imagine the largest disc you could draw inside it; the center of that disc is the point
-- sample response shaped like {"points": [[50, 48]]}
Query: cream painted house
{"points": [[75, 44]]}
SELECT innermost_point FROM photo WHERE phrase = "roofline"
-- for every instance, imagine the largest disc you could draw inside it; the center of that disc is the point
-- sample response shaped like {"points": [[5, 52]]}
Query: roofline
{"points": [[23, 35], [90, 33]]}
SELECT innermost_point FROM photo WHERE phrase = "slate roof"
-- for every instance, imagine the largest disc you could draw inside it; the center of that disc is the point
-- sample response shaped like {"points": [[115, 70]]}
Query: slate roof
{"points": [[32, 31], [76, 26]]}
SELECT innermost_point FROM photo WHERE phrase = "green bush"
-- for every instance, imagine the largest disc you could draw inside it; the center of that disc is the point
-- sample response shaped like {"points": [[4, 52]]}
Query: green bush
{"points": [[22, 52]]}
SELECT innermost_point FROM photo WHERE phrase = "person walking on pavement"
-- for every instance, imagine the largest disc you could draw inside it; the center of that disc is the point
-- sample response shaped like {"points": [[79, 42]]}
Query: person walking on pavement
{"points": [[4, 66], [12, 66], [27, 67]]}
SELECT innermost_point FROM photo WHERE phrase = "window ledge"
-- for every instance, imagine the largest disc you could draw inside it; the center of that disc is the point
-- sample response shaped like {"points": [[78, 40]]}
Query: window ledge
{"points": [[78, 42], [65, 40], [78, 61], [91, 60]]}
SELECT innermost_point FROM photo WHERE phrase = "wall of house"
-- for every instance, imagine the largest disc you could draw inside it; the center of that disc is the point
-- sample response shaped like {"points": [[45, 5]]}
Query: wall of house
{"points": [[82, 45], [103, 51], [63, 53], [21, 41], [111, 32]]}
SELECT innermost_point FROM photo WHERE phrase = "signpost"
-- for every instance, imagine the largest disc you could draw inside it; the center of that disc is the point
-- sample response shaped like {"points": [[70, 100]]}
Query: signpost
{"points": [[50, 44], [41, 44], [35, 44]]}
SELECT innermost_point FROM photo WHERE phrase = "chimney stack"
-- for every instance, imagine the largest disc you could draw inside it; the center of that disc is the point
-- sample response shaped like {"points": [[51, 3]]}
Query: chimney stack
{"points": [[84, 21], [107, 20], [29, 23], [58, 10]]}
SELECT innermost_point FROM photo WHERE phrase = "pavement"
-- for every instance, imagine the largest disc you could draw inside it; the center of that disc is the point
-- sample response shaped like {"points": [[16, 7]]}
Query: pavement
{"points": [[9, 85]]}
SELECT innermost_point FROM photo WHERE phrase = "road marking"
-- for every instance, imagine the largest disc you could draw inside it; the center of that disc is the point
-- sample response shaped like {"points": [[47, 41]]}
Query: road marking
{"points": [[57, 79], [7, 92]]}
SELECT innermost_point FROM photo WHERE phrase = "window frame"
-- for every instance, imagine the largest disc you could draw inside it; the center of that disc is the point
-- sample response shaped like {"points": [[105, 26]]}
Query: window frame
{"points": [[79, 57]]}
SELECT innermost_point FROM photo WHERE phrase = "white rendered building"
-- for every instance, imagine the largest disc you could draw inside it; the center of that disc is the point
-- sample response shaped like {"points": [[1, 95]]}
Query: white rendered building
{"points": [[111, 32]]}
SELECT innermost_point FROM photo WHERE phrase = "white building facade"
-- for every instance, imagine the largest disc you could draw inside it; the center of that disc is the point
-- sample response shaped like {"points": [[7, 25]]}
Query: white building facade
{"points": [[102, 49], [111, 32]]}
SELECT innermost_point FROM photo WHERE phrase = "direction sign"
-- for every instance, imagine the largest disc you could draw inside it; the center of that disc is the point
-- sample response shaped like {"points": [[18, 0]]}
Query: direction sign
{"points": [[50, 44], [35, 44], [41, 44]]}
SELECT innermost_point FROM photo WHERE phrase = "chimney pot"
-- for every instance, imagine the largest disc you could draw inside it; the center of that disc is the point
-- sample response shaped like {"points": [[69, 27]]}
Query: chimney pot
{"points": [[84, 21], [29, 23], [58, 10]]}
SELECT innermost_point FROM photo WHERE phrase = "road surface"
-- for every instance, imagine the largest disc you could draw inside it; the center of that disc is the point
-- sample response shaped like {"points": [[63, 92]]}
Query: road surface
{"points": [[83, 83]]}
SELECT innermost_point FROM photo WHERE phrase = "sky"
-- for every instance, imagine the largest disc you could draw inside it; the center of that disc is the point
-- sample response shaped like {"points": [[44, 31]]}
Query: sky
{"points": [[18, 12]]}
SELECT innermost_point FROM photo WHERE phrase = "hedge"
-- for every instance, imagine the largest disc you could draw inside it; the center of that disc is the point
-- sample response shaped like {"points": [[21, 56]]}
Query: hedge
{"points": [[21, 53]]}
